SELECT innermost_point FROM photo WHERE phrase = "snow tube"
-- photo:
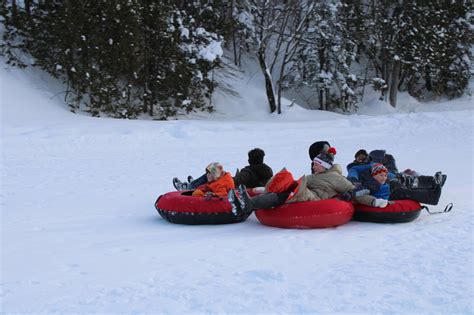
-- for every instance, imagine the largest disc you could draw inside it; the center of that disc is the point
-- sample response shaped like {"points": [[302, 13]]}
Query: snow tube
{"points": [[398, 212], [182, 208], [308, 214]]}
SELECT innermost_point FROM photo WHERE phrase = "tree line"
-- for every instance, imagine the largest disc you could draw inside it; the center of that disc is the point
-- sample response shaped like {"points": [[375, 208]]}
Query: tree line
{"points": [[126, 58]]}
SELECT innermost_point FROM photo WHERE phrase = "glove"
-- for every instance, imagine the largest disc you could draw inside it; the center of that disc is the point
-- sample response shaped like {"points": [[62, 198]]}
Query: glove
{"points": [[346, 196], [380, 203], [360, 191], [354, 193], [208, 195]]}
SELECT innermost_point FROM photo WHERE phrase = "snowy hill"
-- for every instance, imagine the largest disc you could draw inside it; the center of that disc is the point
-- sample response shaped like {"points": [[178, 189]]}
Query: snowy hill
{"points": [[80, 233]]}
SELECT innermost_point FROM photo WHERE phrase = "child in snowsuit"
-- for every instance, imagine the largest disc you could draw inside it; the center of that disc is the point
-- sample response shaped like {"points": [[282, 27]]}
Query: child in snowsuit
{"points": [[374, 178], [218, 183], [256, 174]]}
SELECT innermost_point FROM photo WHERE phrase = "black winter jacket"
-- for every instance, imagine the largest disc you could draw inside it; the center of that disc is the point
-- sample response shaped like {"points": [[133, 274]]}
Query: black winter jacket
{"points": [[253, 175]]}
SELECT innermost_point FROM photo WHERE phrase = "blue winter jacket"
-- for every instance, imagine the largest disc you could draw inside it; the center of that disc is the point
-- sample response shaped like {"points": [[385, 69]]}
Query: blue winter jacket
{"points": [[362, 174]]}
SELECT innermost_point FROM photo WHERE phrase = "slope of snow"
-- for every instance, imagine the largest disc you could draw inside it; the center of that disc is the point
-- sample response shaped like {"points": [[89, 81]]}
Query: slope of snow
{"points": [[79, 232]]}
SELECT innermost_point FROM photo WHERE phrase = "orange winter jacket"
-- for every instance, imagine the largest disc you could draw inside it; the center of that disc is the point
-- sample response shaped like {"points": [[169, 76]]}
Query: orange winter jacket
{"points": [[219, 187]]}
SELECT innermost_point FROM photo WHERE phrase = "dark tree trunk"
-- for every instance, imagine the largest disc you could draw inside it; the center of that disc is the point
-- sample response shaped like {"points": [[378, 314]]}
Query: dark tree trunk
{"points": [[28, 8], [268, 80], [394, 82]]}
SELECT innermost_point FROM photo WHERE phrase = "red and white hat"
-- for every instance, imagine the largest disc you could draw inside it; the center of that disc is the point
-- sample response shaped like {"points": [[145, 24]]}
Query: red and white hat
{"points": [[378, 168], [325, 159]]}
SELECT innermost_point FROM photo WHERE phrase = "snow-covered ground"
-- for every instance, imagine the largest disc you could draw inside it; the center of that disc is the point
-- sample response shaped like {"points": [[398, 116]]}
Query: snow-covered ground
{"points": [[79, 232]]}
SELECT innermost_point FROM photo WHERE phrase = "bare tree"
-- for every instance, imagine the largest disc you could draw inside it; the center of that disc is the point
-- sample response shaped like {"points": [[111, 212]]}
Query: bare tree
{"points": [[278, 29]]}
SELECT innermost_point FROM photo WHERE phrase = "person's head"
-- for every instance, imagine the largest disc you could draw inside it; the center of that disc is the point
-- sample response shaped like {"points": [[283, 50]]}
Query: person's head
{"points": [[361, 156], [379, 173], [377, 156], [323, 161], [256, 156], [318, 147], [214, 171]]}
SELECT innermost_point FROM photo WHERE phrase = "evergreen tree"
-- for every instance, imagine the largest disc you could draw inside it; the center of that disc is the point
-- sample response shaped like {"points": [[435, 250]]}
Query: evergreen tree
{"points": [[119, 58]]}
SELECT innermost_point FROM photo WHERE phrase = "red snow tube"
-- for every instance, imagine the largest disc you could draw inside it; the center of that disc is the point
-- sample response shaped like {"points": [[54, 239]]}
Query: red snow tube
{"points": [[182, 208], [398, 212], [308, 214]]}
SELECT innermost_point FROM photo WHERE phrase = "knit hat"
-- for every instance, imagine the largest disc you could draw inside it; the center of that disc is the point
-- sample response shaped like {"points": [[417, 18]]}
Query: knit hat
{"points": [[318, 147], [215, 170], [325, 159], [256, 156], [378, 168]]}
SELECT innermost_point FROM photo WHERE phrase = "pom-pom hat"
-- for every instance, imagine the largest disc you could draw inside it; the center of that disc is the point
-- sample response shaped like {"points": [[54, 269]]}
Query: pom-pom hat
{"points": [[378, 168], [325, 159]]}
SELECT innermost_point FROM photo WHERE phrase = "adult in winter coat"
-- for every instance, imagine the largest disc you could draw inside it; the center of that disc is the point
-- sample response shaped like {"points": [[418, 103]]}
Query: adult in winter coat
{"points": [[218, 183], [256, 174], [360, 158], [326, 182], [316, 148]]}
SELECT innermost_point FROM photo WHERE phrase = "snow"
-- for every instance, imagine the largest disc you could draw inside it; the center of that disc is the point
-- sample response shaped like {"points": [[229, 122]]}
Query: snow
{"points": [[211, 51], [79, 232]]}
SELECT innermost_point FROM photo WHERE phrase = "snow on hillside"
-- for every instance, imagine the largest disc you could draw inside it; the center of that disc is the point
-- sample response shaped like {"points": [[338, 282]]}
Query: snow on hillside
{"points": [[80, 233]]}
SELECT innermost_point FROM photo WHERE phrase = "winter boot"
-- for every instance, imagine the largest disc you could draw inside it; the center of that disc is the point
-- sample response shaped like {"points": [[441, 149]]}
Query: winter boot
{"points": [[408, 181], [234, 202], [190, 179], [440, 178], [179, 185], [245, 200], [242, 193]]}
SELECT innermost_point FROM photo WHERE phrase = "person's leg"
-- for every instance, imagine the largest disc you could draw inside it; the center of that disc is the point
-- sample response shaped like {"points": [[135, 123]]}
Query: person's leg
{"points": [[198, 182], [422, 195], [179, 185], [265, 201]]}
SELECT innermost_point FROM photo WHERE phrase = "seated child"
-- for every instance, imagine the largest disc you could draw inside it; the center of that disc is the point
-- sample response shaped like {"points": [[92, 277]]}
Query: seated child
{"points": [[256, 174], [373, 177], [218, 183]]}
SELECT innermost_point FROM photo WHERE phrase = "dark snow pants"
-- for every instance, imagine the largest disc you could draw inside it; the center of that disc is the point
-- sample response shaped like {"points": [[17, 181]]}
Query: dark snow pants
{"points": [[268, 200]]}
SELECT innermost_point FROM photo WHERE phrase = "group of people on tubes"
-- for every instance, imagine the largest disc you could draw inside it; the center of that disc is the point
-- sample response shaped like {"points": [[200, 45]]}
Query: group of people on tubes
{"points": [[373, 180]]}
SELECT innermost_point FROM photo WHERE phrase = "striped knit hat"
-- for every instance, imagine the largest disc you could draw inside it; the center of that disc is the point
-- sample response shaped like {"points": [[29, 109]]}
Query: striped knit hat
{"points": [[325, 159], [378, 168]]}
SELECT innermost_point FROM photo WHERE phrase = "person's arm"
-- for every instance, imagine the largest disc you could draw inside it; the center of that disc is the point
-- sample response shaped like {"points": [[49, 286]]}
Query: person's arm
{"points": [[343, 185], [220, 190], [356, 170], [367, 200], [242, 177]]}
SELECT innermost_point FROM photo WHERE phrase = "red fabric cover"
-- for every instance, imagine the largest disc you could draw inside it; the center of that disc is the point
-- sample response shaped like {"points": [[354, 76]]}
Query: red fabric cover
{"points": [[281, 182], [397, 206], [175, 201], [308, 214]]}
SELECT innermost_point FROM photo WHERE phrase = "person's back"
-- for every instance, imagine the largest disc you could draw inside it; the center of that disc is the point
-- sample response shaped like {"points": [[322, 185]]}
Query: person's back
{"points": [[257, 173]]}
